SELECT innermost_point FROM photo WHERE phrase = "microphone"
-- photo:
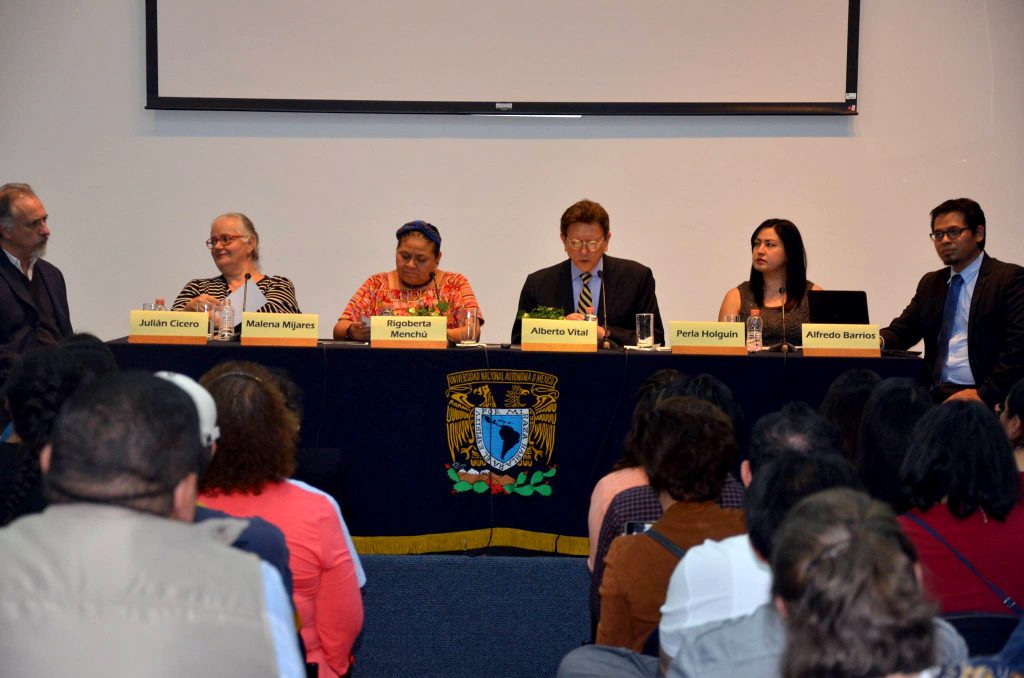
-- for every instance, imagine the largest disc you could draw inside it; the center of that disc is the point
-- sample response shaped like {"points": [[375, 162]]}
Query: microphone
{"points": [[245, 290], [604, 307], [437, 290], [784, 346]]}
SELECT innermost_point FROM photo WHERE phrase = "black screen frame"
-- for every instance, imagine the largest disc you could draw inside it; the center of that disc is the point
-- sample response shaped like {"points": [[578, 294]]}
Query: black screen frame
{"points": [[154, 101]]}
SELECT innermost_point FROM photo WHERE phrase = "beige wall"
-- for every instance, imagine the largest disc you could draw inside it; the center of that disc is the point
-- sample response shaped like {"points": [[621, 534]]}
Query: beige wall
{"points": [[131, 192]]}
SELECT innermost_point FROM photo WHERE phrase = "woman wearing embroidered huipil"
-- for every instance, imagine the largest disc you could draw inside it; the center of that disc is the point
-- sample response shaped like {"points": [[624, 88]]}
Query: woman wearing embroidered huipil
{"points": [[235, 248], [416, 282], [778, 275]]}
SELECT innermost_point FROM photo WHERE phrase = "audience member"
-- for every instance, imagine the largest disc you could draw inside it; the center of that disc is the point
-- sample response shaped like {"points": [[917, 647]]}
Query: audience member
{"points": [[317, 469], [962, 486], [844, 404], [108, 581], [688, 447], [91, 352], [720, 580], [1011, 416], [38, 385], [876, 562], [845, 577], [894, 408], [259, 537], [629, 471], [249, 476]]}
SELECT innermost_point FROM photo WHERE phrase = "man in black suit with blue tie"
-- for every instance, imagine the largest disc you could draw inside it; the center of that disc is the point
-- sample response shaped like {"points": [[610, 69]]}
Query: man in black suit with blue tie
{"points": [[576, 283], [33, 298], [970, 313]]}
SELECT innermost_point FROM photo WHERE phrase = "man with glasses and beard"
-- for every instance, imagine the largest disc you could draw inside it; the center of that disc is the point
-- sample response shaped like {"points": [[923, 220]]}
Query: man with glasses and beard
{"points": [[33, 298]]}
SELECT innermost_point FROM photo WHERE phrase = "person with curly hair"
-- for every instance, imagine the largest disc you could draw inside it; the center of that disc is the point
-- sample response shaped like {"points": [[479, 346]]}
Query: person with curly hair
{"points": [[35, 390], [688, 448], [249, 476]]}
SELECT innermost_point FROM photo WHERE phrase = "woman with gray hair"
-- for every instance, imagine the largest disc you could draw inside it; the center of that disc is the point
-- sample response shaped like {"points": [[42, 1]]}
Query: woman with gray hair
{"points": [[235, 248]]}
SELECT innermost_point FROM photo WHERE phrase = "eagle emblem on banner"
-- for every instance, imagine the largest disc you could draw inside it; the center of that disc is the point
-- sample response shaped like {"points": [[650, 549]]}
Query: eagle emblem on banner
{"points": [[501, 431]]}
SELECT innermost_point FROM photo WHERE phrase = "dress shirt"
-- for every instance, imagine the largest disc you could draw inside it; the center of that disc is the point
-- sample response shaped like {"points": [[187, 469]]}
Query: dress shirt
{"points": [[957, 368], [595, 283], [17, 263]]}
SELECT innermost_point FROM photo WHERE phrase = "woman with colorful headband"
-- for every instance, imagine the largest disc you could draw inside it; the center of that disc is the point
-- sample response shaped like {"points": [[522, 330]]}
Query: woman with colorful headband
{"points": [[415, 286]]}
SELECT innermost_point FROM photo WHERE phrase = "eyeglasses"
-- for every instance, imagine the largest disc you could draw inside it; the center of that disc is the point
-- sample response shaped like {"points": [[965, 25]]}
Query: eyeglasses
{"points": [[222, 240], [588, 245], [952, 234]]}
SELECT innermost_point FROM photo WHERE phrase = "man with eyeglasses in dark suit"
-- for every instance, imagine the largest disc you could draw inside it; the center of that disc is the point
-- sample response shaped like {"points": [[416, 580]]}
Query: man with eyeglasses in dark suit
{"points": [[969, 313], [575, 284]]}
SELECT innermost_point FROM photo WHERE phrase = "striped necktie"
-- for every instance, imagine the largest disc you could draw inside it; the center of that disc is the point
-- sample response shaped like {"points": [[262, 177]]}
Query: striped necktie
{"points": [[586, 300]]}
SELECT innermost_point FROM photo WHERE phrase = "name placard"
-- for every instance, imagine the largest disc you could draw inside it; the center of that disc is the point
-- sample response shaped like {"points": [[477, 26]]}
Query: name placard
{"points": [[167, 327], [408, 331], [279, 329], [703, 338], [858, 341], [572, 336]]}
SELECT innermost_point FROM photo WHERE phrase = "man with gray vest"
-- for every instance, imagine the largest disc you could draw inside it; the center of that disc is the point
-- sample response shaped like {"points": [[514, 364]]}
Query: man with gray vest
{"points": [[112, 579]]}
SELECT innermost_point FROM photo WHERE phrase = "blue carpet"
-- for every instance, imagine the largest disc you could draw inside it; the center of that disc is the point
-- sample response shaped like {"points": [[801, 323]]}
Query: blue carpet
{"points": [[455, 616]]}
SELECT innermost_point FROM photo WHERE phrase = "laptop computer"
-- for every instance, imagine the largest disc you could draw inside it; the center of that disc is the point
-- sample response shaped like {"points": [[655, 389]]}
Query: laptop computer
{"points": [[837, 307]]}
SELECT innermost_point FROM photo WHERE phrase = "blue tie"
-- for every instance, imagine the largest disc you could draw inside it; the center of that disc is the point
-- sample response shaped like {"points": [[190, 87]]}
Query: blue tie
{"points": [[956, 283]]}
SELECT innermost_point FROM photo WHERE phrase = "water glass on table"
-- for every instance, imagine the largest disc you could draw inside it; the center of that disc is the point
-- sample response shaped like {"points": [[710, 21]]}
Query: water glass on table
{"points": [[471, 327], [645, 330]]}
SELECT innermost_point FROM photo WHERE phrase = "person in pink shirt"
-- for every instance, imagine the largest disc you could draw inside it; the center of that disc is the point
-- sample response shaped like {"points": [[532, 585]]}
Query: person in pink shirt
{"points": [[249, 476]]}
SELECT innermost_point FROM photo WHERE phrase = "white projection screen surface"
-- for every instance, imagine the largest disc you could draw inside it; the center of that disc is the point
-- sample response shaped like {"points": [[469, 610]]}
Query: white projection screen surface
{"points": [[505, 56]]}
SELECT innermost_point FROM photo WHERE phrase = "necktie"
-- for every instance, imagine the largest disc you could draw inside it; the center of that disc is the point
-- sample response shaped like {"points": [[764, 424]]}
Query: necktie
{"points": [[948, 316], [585, 299]]}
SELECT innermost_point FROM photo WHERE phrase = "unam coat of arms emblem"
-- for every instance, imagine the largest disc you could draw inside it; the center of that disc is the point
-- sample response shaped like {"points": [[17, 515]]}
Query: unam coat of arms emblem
{"points": [[501, 431]]}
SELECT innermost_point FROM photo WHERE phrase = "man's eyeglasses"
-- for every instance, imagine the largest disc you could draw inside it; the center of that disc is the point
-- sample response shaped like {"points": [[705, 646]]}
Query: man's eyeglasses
{"points": [[952, 234], [222, 240], [588, 245]]}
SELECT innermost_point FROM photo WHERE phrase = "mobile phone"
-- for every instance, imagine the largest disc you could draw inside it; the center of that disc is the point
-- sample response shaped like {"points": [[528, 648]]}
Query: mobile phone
{"points": [[637, 527]]}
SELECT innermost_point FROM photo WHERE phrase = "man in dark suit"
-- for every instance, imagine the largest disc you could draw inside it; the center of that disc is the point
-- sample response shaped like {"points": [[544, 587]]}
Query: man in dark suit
{"points": [[576, 283], [33, 298], [970, 313]]}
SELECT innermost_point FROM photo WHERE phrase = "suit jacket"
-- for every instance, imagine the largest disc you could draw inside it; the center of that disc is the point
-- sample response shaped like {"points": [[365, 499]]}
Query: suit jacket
{"points": [[995, 326], [628, 288], [19, 319]]}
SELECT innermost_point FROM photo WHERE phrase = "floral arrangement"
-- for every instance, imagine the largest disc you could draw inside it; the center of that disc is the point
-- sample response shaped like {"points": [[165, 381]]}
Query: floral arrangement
{"points": [[439, 308], [544, 313]]}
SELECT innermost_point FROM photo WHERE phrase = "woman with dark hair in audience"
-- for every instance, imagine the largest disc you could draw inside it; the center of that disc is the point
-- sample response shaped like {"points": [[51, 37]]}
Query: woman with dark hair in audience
{"points": [[846, 579], [36, 388], [844, 404], [688, 447], [249, 477], [778, 277], [1011, 416], [962, 485], [891, 413], [629, 471]]}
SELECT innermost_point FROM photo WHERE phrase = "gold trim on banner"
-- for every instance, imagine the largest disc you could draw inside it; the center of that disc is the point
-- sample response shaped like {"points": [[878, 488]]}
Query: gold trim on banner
{"points": [[469, 540]]}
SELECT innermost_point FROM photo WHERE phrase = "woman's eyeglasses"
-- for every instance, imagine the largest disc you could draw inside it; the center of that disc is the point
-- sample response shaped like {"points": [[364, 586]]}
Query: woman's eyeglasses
{"points": [[222, 240]]}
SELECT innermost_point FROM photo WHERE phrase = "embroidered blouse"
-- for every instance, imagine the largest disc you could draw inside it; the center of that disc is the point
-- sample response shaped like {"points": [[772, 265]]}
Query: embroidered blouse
{"points": [[376, 297]]}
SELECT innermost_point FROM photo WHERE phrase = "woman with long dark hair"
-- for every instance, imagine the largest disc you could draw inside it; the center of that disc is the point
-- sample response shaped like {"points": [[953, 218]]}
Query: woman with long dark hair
{"points": [[778, 277]]}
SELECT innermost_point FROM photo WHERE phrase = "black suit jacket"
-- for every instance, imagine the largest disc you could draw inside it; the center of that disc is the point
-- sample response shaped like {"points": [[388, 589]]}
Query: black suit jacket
{"points": [[995, 326], [19, 319], [628, 287]]}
